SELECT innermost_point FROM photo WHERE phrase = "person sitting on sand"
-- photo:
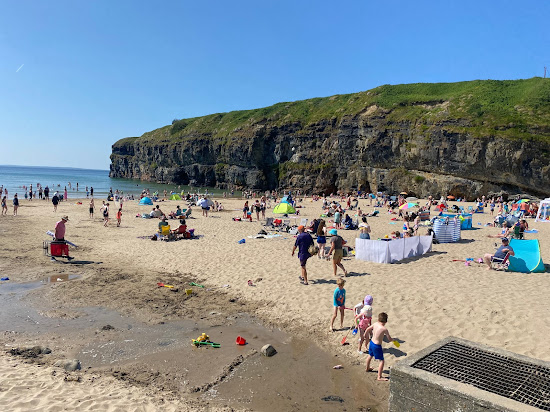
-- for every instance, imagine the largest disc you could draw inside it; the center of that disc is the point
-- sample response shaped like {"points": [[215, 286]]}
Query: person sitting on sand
{"points": [[364, 229], [505, 233], [500, 254], [181, 229], [162, 223], [378, 330], [176, 214]]}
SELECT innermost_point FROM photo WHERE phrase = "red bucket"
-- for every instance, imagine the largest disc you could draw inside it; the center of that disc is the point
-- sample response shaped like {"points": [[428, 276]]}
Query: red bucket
{"points": [[241, 341]]}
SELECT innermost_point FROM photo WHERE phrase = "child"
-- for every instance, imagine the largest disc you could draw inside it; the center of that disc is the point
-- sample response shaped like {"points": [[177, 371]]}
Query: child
{"points": [[339, 303], [375, 345], [364, 316], [118, 217]]}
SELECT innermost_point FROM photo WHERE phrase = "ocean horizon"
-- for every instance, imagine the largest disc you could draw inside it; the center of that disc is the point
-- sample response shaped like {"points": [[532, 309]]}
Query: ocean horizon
{"points": [[19, 178]]}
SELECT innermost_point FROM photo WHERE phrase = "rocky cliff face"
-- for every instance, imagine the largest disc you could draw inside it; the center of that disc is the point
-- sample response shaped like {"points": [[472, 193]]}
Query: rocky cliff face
{"points": [[371, 150]]}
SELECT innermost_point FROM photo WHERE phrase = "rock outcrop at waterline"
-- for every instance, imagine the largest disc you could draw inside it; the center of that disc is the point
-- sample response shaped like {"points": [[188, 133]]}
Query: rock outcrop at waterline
{"points": [[465, 139]]}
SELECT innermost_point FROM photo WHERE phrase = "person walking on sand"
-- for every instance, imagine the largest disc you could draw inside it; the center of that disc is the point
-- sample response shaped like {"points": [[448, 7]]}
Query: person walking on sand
{"points": [[245, 210], [4, 206], [106, 214], [337, 246], [92, 208], [303, 242], [322, 239], [55, 201], [339, 303], [375, 345], [118, 217], [15, 204]]}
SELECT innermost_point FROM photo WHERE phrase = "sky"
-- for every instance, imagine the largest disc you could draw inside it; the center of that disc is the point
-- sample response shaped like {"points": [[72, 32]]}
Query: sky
{"points": [[76, 76]]}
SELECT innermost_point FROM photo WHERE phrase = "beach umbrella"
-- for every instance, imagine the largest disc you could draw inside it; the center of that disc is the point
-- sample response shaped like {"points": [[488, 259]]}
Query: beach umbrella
{"points": [[403, 193], [407, 205], [284, 209], [411, 199], [450, 197], [523, 201], [175, 196]]}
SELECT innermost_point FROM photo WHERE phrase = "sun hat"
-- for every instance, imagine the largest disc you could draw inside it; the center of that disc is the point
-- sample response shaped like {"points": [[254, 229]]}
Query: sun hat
{"points": [[65, 218], [368, 300], [301, 227], [333, 232]]}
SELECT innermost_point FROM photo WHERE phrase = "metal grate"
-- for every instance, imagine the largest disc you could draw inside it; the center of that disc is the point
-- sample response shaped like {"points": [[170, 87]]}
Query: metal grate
{"points": [[524, 382]]}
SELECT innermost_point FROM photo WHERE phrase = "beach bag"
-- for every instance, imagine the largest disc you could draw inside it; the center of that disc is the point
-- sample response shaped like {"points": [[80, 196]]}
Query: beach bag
{"points": [[313, 249]]}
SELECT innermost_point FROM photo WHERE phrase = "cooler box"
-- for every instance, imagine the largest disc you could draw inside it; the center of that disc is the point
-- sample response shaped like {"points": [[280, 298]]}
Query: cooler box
{"points": [[59, 249]]}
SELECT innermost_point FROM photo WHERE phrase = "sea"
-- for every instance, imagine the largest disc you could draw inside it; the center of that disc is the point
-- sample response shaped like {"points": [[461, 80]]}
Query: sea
{"points": [[18, 179]]}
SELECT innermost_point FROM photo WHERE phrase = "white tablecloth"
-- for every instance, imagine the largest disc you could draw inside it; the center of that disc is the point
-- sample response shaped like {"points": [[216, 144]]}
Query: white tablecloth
{"points": [[381, 251]]}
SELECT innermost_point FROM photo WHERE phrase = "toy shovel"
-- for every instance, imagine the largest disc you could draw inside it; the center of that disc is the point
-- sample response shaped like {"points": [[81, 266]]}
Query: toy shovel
{"points": [[160, 285], [214, 345], [396, 343]]}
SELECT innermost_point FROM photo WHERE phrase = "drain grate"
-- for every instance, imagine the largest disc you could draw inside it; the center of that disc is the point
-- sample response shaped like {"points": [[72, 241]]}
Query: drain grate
{"points": [[522, 381]]}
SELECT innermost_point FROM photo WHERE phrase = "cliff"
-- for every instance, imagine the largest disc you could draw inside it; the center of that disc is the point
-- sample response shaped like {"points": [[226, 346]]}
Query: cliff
{"points": [[467, 139]]}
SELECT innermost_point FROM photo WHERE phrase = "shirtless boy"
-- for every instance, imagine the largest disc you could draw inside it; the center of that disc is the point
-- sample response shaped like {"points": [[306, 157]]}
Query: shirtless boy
{"points": [[375, 345]]}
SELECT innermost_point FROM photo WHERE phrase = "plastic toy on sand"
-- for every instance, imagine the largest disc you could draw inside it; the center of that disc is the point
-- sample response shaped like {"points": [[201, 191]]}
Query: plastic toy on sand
{"points": [[396, 343]]}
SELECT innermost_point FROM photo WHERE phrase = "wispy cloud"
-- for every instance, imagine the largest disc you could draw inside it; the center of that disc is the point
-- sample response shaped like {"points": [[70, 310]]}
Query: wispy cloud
{"points": [[20, 67]]}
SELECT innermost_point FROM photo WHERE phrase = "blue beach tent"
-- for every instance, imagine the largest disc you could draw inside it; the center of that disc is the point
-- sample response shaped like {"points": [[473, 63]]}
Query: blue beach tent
{"points": [[146, 201], [527, 258]]}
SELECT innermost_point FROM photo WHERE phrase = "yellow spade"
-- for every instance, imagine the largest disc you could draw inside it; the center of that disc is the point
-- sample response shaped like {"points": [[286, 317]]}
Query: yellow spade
{"points": [[396, 343]]}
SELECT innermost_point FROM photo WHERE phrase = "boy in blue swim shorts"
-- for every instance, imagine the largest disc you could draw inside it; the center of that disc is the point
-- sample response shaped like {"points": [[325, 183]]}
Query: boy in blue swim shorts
{"points": [[375, 345]]}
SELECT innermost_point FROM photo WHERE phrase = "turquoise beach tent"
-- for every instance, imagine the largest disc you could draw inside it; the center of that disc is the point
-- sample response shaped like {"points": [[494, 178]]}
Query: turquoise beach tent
{"points": [[284, 209], [284, 200], [527, 258], [146, 201]]}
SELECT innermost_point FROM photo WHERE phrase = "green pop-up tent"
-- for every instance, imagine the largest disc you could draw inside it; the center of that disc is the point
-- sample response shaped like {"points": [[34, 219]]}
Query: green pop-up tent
{"points": [[284, 209], [175, 196], [526, 257]]}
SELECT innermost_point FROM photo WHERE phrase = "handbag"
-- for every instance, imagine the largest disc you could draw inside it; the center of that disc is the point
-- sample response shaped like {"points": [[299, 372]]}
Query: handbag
{"points": [[313, 249]]}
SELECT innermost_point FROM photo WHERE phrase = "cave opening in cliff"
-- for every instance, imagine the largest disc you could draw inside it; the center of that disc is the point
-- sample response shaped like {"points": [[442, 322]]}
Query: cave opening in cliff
{"points": [[365, 187], [181, 177]]}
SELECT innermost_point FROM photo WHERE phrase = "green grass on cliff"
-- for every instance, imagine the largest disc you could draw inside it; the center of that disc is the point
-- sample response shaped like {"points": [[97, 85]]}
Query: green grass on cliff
{"points": [[509, 108]]}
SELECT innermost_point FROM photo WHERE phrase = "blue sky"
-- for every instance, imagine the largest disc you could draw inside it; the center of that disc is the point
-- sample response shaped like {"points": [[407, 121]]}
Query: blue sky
{"points": [[97, 71]]}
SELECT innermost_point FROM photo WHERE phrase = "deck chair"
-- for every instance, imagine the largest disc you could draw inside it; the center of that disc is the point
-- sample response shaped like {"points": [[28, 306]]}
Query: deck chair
{"points": [[164, 232], [269, 222], [500, 264]]}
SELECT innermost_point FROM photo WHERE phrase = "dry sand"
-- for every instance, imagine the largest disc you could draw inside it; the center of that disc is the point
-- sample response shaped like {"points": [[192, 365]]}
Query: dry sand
{"points": [[426, 298]]}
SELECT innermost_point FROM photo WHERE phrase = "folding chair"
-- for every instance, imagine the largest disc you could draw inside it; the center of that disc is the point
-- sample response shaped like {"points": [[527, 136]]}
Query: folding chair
{"points": [[500, 264], [164, 232], [269, 222], [303, 222]]}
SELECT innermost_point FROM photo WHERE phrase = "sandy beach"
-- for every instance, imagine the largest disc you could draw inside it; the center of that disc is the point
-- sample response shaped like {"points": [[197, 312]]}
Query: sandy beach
{"points": [[426, 298]]}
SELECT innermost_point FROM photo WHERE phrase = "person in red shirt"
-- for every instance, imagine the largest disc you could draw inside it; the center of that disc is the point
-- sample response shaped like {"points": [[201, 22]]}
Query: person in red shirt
{"points": [[118, 217], [60, 229]]}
